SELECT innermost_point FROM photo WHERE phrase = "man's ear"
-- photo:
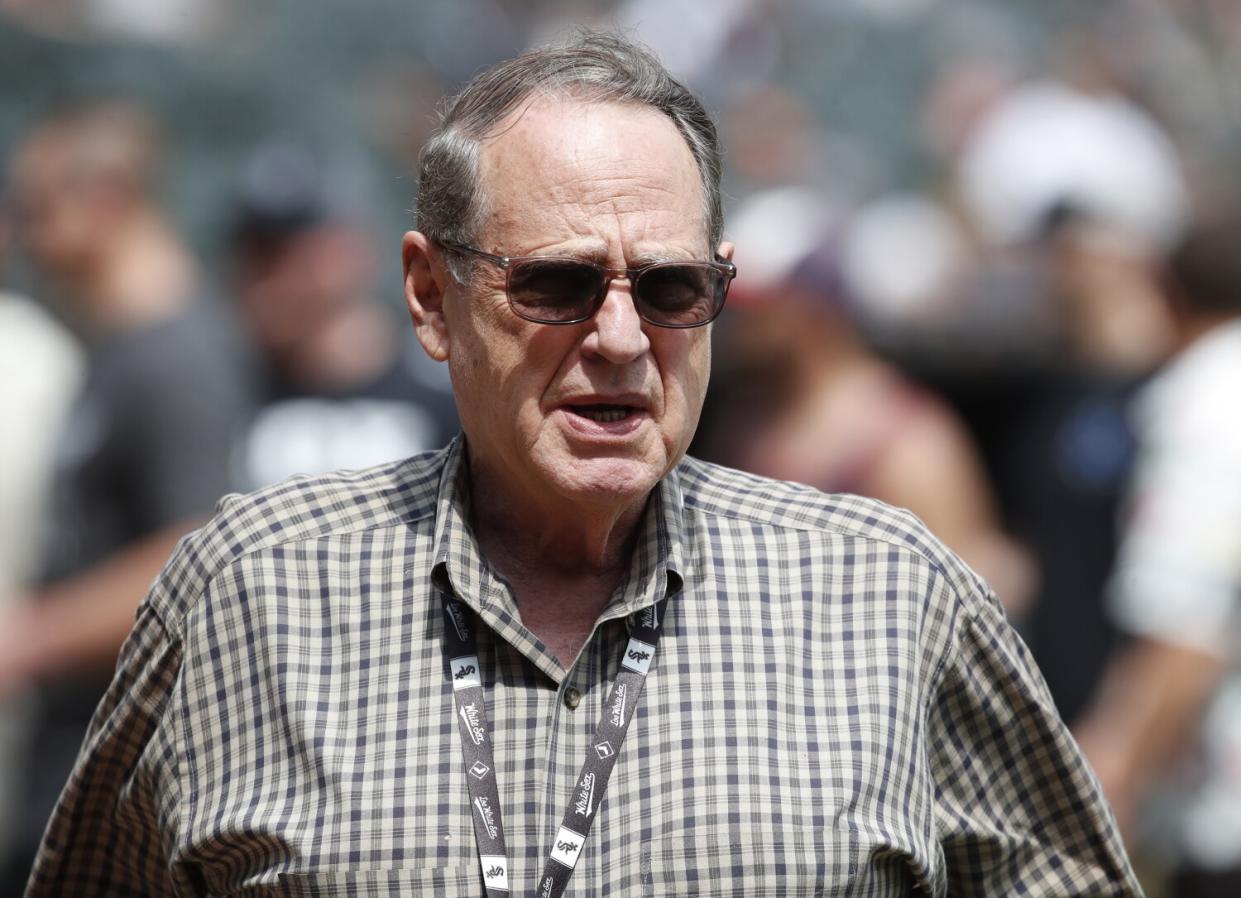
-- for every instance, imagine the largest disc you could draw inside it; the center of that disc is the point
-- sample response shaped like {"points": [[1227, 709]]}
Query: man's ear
{"points": [[726, 251], [426, 280]]}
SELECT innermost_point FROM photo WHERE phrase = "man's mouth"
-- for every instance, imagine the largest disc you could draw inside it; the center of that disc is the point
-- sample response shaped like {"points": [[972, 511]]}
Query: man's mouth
{"points": [[603, 413]]}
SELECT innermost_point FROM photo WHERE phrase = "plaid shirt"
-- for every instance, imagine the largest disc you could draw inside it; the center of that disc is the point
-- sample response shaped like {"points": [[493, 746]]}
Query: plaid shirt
{"points": [[837, 707]]}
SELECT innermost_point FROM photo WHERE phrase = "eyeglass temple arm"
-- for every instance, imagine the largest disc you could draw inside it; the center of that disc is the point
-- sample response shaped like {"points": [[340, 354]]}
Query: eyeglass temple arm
{"points": [[461, 248]]}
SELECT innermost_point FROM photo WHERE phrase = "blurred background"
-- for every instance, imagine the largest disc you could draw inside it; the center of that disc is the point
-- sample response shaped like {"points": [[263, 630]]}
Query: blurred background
{"points": [[957, 225]]}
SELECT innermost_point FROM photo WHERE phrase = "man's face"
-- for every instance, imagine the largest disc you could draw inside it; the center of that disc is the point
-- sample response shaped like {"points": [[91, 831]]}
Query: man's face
{"points": [[596, 412], [292, 290], [56, 218]]}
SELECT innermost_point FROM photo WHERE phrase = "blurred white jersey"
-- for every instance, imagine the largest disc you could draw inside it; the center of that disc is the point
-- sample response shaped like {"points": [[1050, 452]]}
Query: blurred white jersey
{"points": [[1178, 577]]}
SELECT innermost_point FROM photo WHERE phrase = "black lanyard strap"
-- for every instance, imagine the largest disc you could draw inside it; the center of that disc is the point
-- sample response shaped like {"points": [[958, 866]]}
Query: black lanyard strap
{"points": [[461, 650]]}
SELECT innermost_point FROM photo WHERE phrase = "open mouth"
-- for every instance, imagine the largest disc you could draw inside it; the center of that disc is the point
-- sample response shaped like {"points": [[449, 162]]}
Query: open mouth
{"points": [[603, 413]]}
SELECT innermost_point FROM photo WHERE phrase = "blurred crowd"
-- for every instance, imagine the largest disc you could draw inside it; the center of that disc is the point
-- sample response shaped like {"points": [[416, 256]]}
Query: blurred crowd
{"points": [[1016, 312]]}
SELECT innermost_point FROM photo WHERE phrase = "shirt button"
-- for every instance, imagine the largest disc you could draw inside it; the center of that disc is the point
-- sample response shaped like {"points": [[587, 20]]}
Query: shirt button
{"points": [[572, 698]]}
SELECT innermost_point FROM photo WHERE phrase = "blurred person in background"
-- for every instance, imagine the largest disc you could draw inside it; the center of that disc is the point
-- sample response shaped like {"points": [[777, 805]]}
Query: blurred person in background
{"points": [[1164, 733], [144, 453], [799, 396], [1062, 432], [40, 372], [341, 385], [1055, 201]]}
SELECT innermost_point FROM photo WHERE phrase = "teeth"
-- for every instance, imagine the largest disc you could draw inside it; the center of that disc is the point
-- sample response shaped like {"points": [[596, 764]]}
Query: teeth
{"points": [[604, 416]]}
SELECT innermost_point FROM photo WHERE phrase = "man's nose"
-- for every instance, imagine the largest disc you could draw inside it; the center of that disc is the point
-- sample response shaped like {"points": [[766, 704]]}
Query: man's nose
{"points": [[616, 330]]}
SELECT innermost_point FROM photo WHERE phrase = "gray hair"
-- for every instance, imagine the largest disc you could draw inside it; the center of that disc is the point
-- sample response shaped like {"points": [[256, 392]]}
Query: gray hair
{"points": [[598, 68]]}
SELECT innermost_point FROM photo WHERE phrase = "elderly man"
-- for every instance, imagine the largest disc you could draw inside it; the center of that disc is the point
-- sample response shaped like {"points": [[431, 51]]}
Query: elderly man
{"points": [[560, 654]]}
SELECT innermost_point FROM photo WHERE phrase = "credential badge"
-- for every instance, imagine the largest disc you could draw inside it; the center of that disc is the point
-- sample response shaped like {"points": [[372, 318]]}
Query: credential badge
{"points": [[464, 671], [495, 871], [568, 847], [638, 656]]}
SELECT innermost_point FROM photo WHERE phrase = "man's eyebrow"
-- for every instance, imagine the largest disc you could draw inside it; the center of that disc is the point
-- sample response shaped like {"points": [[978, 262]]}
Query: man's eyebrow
{"points": [[600, 256], [585, 253], [654, 257]]}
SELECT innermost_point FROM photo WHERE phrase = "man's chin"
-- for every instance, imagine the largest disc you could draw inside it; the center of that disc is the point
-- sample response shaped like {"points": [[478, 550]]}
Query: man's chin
{"points": [[608, 480]]}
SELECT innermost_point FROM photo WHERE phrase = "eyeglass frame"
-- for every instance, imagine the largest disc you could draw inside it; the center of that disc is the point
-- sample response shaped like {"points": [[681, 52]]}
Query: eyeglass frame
{"points": [[506, 263]]}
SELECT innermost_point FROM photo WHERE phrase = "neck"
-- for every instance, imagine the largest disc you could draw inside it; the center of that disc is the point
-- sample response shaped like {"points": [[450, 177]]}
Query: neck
{"points": [[542, 534], [563, 561]]}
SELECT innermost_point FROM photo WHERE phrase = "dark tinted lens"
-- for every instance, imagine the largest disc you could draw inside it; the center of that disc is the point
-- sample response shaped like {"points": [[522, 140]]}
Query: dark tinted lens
{"points": [[680, 294], [554, 289]]}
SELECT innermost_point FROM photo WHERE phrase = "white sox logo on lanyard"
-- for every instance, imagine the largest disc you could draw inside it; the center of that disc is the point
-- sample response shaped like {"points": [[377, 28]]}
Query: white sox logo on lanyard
{"points": [[461, 650]]}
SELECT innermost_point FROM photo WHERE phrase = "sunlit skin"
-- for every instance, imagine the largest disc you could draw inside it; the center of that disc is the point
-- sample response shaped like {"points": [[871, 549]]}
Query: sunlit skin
{"points": [[615, 184]]}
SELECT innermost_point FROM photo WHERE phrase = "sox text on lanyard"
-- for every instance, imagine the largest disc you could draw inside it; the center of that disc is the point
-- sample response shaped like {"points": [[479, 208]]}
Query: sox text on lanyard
{"points": [[461, 649]]}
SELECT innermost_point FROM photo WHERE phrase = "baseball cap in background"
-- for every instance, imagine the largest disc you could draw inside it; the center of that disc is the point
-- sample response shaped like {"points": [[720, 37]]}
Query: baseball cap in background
{"points": [[774, 231], [284, 191]]}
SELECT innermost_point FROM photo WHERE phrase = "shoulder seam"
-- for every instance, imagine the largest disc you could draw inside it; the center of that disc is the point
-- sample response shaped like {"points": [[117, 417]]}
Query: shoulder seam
{"points": [[233, 558], [224, 541], [824, 527]]}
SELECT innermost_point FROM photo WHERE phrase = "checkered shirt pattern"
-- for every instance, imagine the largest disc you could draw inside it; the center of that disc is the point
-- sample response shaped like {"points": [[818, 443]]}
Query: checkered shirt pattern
{"points": [[837, 707]]}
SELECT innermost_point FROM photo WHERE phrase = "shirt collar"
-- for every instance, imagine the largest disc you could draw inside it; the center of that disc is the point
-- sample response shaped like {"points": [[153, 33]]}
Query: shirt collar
{"points": [[657, 566], [459, 566], [655, 570]]}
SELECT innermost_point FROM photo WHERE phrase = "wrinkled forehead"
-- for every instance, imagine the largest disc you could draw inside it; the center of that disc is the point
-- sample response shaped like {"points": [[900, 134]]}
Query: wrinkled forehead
{"points": [[598, 157]]}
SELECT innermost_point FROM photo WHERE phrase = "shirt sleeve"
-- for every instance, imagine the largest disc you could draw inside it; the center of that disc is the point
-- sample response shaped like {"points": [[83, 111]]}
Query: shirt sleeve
{"points": [[1018, 811], [109, 833]]}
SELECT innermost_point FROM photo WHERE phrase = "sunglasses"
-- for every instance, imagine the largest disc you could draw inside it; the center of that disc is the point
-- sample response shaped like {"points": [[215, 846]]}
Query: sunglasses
{"points": [[551, 290]]}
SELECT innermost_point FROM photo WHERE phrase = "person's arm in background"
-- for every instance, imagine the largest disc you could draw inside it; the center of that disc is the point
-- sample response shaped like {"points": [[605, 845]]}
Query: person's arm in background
{"points": [[1176, 587], [1144, 715], [79, 623], [934, 470], [175, 410]]}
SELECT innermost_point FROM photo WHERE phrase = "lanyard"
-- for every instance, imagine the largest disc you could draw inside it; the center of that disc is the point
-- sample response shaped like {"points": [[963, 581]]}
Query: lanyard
{"points": [[461, 650]]}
